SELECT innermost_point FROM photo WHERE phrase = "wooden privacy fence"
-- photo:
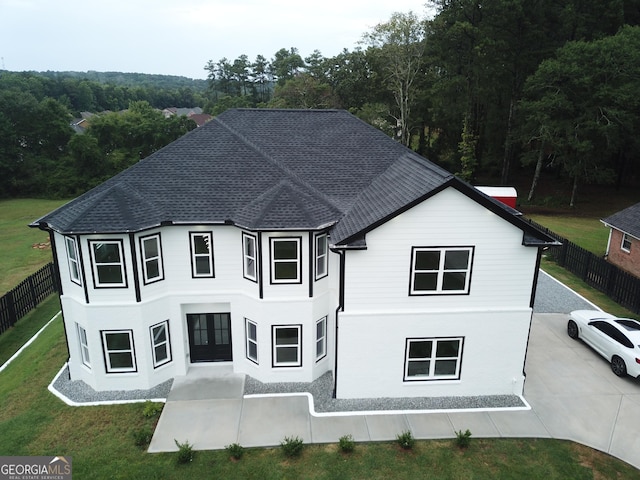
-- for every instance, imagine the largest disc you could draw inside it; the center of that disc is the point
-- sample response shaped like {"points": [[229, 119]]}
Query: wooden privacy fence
{"points": [[620, 286], [16, 303]]}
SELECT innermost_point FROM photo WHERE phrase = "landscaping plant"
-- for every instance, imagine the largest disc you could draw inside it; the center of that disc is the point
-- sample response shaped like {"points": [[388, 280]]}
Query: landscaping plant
{"points": [[185, 452], [292, 446], [406, 440]]}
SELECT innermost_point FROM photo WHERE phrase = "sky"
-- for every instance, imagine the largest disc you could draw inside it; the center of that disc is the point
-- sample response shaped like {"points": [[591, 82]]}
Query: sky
{"points": [[179, 37]]}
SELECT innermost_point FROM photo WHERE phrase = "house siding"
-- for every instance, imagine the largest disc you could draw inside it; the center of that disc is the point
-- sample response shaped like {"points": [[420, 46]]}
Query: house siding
{"points": [[629, 261], [180, 294], [493, 317], [502, 272]]}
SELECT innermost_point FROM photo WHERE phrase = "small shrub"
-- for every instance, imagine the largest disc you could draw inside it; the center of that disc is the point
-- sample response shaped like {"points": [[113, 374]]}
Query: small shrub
{"points": [[406, 440], [185, 452], [235, 450], [463, 439], [292, 446], [347, 443], [142, 436], [151, 409]]}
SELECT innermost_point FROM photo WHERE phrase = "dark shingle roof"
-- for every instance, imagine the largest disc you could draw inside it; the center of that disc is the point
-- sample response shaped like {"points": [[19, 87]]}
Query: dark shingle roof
{"points": [[627, 220], [266, 170]]}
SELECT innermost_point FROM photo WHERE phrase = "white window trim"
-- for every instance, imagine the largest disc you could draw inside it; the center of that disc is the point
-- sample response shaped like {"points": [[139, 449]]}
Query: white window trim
{"points": [[131, 350], [154, 345], [440, 271], [195, 255], [121, 264], [433, 359], [84, 346], [73, 259], [275, 346], [253, 276], [323, 338], [249, 340], [319, 257], [146, 259], [297, 260], [628, 239]]}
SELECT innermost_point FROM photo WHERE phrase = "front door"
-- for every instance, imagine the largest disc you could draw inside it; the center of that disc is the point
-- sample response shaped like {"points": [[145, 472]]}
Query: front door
{"points": [[209, 337]]}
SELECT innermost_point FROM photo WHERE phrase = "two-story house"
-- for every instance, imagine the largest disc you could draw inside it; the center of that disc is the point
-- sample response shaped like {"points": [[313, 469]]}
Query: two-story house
{"points": [[289, 244]]}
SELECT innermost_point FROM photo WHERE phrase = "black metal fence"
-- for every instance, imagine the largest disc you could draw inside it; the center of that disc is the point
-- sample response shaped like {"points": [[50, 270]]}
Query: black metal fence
{"points": [[16, 303], [620, 286]]}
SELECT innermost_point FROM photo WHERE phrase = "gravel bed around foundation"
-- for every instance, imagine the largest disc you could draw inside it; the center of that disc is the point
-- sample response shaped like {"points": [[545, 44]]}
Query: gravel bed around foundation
{"points": [[322, 389], [79, 392]]}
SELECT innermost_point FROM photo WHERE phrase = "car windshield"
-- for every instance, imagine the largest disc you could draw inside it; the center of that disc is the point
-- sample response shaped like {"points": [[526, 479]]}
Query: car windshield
{"points": [[628, 324]]}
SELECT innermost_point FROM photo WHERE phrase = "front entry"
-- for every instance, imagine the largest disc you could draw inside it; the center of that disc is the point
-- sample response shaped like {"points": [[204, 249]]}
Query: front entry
{"points": [[209, 337]]}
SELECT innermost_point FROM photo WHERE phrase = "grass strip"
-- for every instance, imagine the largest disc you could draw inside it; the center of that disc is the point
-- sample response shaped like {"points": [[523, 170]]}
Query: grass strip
{"points": [[25, 328]]}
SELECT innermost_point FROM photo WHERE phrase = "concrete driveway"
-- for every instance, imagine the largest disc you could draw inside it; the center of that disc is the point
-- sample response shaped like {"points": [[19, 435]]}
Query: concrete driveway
{"points": [[572, 392], [575, 394]]}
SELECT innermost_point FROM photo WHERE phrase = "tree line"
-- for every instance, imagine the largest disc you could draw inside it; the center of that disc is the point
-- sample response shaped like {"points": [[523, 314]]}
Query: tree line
{"points": [[487, 89]]}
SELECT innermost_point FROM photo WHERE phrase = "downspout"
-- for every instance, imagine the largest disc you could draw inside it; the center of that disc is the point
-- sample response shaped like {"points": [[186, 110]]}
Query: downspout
{"points": [[606, 255], [531, 302], [338, 310], [134, 261], [259, 266], [535, 276], [83, 277], [58, 279], [311, 263]]}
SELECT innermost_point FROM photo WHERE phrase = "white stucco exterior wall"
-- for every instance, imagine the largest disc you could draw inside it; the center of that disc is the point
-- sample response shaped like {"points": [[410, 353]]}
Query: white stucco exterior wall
{"points": [[180, 294], [379, 313]]}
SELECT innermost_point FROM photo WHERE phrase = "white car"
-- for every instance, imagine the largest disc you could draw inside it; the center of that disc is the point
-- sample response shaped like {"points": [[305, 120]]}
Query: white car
{"points": [[616, 339]]}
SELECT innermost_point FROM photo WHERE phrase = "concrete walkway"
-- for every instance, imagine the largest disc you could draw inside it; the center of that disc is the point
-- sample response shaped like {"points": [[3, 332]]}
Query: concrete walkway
{"points": [[572, 392]]}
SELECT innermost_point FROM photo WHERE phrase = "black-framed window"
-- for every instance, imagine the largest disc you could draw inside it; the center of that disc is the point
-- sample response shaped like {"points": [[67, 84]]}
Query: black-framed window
{"points": [[286, 265], [433, 358], [321, 338], [73, 259], [250, 257], [440, 270], [287, 345], [119, 351], [107, 259], [321, 256], [160, 343], [152, 266], [201, 254], [84, 346], [251, 333]]}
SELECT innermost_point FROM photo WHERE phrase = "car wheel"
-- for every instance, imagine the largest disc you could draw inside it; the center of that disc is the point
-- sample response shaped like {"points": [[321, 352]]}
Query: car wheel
{"points": [[572, 329], [618, 366]]}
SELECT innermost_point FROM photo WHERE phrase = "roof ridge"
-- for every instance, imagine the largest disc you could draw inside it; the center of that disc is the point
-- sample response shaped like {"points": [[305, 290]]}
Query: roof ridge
{"points": [[278, 164]]}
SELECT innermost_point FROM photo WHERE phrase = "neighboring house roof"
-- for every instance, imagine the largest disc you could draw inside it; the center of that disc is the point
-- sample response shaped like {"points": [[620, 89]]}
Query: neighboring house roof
{"points": [[187, 111], [627, 220], [269, 169], [79, 125], [200, 118]]}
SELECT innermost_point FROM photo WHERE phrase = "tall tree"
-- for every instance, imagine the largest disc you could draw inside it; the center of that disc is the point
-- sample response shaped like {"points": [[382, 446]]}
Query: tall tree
{"points": [[583, 104], [304, 91], [286, 64], [399, 45], [261, 78]]}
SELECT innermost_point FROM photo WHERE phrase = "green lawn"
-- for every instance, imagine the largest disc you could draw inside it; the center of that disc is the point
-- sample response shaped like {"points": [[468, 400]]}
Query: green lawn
{"points": [[100, 439], [586, 232], [19, 258]]}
